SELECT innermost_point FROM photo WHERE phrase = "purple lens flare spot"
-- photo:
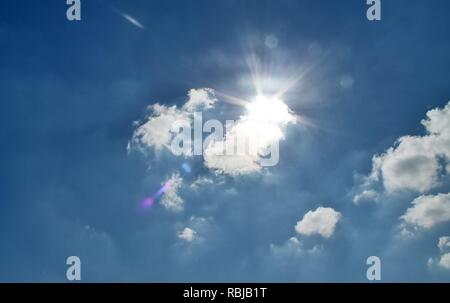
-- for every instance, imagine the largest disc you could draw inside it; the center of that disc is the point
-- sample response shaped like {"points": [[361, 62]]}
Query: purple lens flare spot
{"points": [[148, 202]]}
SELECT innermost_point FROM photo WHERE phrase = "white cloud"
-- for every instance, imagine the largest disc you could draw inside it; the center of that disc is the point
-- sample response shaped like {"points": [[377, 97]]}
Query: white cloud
{"points": [[405, 233], [418, 165], [366, 195], [444, 243], [261, 127], [200, 99], [292, 247], [201, 182], [156, 132], [171, 199], [428, 211], [415, 163], [438, 121], [187, 234], [444, 262], [409, 166], [229, 164], [321, 221], [196, 231]]}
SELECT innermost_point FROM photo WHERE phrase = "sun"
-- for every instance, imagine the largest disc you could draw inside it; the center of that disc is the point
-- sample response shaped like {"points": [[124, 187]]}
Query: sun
{"points": [[263, 122], [265, 109]]}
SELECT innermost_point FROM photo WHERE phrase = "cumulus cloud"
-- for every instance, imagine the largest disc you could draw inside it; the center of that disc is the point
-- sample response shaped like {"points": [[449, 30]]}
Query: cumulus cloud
{"points": [[365, 196], [171, 199], [409, 166], [414, 163], [244, 147], [443, 261], [444, 243], [321, 221], [418, 166], [196, 230], [156, 131], [232, 164], [255, 134], [292, 247], [200, 99], [201, 182], [428, 211], [187, 234]]}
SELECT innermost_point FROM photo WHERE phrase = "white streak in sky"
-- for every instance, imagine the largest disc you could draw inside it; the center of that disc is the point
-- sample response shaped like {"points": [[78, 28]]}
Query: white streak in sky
{"points": [[130, 19]]}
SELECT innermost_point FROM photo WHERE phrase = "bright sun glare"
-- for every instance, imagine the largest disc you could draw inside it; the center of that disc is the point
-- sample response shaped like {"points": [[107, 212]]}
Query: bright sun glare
{"points": [[269, 110]]}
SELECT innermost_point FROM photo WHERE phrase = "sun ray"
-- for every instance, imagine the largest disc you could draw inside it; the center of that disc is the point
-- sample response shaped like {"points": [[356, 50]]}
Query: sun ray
{"points": [[232, 99], [290, 83], [252, 62]]}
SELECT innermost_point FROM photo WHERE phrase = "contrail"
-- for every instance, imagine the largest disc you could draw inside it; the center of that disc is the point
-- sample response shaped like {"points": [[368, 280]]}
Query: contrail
{"points": [[132, 20], [129, 18]]}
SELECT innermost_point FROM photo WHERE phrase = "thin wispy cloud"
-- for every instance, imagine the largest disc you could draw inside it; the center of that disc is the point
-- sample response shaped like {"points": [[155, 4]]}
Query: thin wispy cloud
{"points": [[130, 19]]}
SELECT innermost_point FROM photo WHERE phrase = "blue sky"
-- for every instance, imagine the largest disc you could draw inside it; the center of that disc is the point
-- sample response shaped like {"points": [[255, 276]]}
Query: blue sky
{"points": [[71, 92]]}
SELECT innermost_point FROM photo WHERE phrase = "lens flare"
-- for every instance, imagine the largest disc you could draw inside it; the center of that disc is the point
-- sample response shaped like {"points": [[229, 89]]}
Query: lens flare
{"points": [[149, 201], [186, 167]]}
